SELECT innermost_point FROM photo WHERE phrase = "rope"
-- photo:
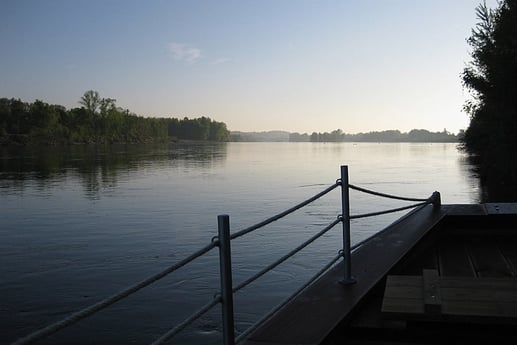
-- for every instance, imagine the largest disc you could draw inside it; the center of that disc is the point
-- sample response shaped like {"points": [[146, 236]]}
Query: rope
{"points": [[372, 214], [244, 334], [178, 328], [364, 190], [286, 256], [81, 314], [407, 215], [283, 214]]}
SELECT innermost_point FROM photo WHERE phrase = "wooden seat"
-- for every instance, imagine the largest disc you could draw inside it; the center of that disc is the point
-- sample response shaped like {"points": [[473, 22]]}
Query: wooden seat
{"points": [[455, 299]]}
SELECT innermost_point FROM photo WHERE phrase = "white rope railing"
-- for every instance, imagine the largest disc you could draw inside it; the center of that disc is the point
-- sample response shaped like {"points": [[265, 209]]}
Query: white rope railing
{"points": [[83, 313], [223, 242], [283, 214]]}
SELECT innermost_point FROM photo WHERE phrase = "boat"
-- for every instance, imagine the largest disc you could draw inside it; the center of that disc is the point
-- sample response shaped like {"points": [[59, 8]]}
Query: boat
{"points": [[442, 274]]}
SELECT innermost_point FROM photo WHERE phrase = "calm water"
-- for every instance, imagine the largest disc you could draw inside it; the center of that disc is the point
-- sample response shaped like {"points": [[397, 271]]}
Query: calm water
{"points": [[81, 223]]}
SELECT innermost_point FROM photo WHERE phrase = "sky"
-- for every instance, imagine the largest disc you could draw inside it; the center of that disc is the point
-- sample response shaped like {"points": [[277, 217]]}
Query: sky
{"points": [[294, 65]]}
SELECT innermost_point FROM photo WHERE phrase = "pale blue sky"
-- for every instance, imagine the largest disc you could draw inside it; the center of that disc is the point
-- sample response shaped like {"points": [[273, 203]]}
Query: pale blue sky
{"points": [[256, 65]]}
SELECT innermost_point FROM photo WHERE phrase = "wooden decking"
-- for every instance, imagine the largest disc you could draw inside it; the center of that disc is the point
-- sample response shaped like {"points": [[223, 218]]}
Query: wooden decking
{"points": [[470, 246], [451, 299], [473, 258]]}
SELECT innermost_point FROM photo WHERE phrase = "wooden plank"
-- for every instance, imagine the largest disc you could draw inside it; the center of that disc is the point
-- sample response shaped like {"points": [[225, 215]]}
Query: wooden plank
{"points": [[487, 258], [478, 295], [400, 308], [508, 246], [483, 312], [501, 208], [403, 293], [402, 280], [454, 259], [484, 298], [313, 314], [494, 283], [465, 209], [462, 299], [432, 295]]}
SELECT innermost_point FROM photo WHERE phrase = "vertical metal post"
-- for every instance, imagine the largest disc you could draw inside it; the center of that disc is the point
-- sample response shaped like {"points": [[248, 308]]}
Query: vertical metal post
{"points": [[225, 262], [436, 200], [345, 219]]}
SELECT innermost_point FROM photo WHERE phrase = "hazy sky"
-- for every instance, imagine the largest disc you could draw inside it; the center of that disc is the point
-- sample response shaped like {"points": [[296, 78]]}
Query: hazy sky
{"points": [[255, 65]]}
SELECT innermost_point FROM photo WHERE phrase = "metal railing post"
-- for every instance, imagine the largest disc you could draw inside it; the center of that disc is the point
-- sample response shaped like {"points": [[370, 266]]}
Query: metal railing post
{"points": [[436, 200], [345, 219], [225, 262]]}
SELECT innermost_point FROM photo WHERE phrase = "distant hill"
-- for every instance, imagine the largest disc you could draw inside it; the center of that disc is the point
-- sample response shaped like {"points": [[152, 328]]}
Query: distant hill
{"points": [[274, 136], [415, 135]]}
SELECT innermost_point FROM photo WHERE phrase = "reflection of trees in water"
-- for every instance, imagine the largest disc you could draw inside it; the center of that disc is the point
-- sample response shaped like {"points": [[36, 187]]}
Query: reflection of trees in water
{"points": [[99, 168], [496, 181], [197, 155]]}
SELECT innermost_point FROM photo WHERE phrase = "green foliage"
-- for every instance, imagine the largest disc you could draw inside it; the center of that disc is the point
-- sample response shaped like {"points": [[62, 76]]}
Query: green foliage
{"points": [[492, 79], [91, 101], [99, 120], [202, 128]]}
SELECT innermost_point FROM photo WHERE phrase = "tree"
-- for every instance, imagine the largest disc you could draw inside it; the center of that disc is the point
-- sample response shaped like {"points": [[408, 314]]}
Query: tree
{"points": [[98, 121], [91, 101], [106, 106], [218, 132], [492, 79]]}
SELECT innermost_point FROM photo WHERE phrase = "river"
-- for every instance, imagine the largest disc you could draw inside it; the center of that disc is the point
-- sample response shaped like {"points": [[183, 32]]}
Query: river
{"points": [[81, 223]]}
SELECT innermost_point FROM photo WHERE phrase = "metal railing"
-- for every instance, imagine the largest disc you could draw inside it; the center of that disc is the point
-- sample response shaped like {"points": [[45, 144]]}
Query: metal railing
{"points": [[223, 242]]}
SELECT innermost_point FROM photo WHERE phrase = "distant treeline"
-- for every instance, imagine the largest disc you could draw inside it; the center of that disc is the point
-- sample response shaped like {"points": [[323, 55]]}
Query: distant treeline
{"points": [[99, 120], [415, 135], [266, 136]]}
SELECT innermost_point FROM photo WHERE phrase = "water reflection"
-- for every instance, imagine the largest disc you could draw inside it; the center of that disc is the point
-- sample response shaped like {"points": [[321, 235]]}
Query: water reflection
{"points": [[497, 183], [98, 168]]}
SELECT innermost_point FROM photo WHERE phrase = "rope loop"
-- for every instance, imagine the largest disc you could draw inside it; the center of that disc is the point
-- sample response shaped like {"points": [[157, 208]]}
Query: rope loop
{"points": [[384, 195], [340, 217], [339, 182], [215, 240], [341, 253]]}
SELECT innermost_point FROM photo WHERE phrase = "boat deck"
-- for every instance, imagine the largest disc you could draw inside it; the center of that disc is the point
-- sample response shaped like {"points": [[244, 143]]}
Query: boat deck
{"points": [[459, 285], [451, 278]]}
